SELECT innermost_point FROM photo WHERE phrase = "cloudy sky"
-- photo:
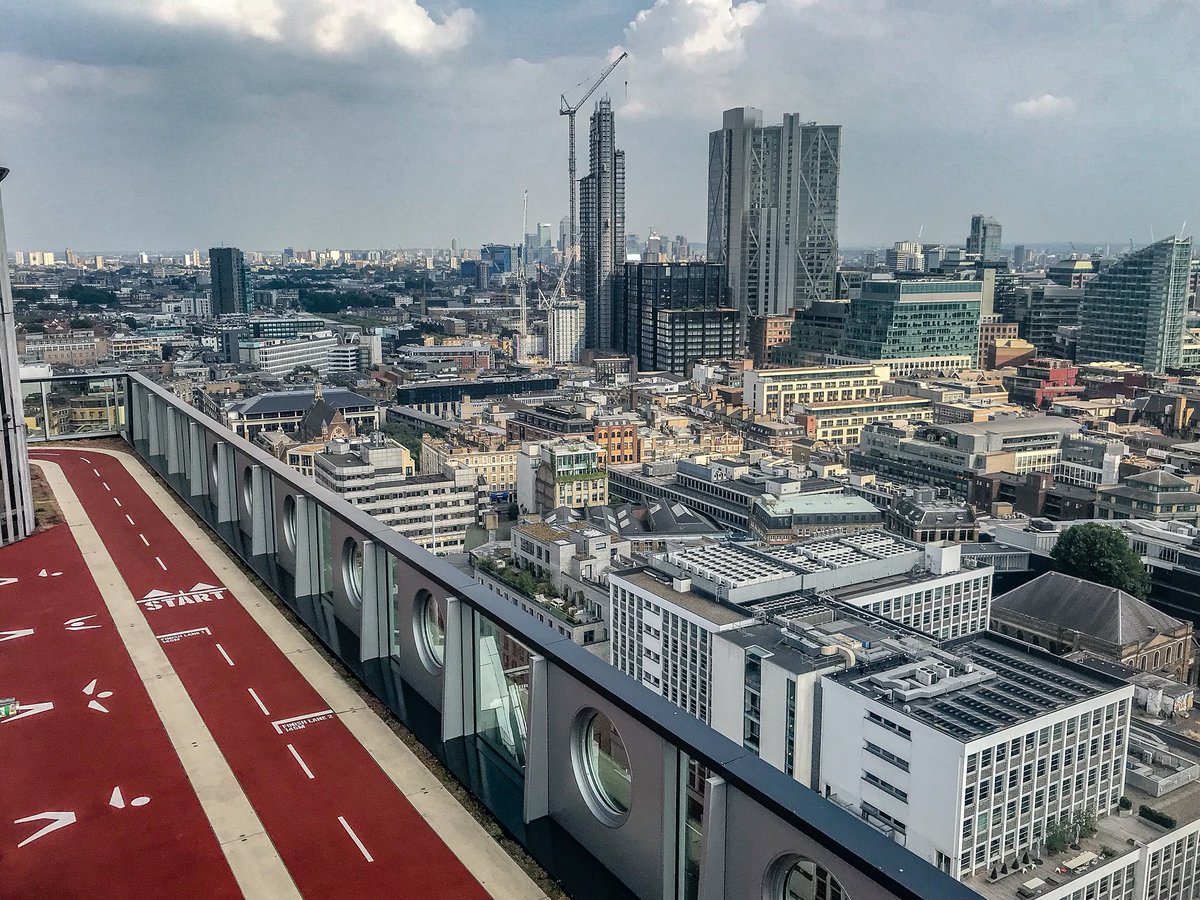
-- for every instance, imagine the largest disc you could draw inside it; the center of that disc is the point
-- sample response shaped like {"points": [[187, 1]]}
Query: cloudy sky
{"points": [[168, 124]]}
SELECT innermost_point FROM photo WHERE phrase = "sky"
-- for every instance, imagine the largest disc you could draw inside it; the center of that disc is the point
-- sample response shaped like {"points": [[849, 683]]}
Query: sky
{"points": [[171, 124]]}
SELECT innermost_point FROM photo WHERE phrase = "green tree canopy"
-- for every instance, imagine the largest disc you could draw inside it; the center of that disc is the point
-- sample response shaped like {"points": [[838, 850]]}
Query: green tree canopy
{"points": [[1102, 554]]}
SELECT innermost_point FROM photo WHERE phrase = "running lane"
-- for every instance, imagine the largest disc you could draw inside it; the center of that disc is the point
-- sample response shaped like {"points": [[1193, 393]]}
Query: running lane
{"points": [[339, 823], [94, 801]]}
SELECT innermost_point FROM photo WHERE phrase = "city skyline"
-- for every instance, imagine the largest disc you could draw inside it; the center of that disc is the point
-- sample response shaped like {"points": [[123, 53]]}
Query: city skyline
{"points": [[192, 91]]}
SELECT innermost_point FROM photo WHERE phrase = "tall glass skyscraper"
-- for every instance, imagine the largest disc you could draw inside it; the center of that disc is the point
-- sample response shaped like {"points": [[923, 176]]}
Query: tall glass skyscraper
{"points": [[985, 238], [231, 290], [772, 210], [601, 225], [1134, 311], [16, 496]]}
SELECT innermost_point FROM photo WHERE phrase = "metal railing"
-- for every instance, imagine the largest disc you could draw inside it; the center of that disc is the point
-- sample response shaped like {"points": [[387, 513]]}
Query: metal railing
{"points": [[614, 790]]}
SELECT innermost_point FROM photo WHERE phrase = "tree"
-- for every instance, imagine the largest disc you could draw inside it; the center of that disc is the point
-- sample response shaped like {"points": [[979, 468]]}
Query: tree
{"points": [[1100, 553]]}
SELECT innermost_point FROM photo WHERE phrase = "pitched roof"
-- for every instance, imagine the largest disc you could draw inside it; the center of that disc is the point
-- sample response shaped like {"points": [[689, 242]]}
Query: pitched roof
{"points": [[1103, 612], [297, 401]]}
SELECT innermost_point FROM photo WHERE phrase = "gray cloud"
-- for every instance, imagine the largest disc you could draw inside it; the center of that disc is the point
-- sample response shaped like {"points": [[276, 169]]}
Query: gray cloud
{"points": [[175, 123]]}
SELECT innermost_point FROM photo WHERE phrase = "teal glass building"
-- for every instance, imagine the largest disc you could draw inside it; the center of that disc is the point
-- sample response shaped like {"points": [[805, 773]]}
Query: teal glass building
{"points": [[906, 319], [1135, 310]]}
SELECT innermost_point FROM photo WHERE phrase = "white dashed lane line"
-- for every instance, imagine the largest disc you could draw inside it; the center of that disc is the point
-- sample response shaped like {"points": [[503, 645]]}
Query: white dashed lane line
{"points": [[303, 764], [116, 501], [144, 541], [106, 487], [354, 837], [97, 473], [261, 705], [224, 654], [127, 519], [161, 564]]}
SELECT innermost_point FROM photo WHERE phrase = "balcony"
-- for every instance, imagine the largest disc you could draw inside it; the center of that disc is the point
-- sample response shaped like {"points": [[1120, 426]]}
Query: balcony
{"points": [[612, 789]]}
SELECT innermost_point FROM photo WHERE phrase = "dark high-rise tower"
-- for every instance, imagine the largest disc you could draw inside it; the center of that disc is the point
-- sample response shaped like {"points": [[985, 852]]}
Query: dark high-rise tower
{"points": [[231, 292], [16, 496], [985, 238], [601, 226], [772, 210]]}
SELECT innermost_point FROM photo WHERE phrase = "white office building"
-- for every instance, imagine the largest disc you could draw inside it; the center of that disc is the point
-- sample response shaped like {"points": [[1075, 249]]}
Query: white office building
{"points": [[281, 357], [565, 323], [667, 615], [433, 511], [968, 754]]}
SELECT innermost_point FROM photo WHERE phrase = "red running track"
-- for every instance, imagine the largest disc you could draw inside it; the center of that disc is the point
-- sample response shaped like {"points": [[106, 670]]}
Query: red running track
{"points": [[70, 748], [339, 823]]}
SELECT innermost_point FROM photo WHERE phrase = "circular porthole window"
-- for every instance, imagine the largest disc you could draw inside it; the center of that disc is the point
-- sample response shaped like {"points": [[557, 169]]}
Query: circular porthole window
{"points": [[602, 767], [248, 488], [289, 521], [429, 627], [796, 878], [352, 571]]}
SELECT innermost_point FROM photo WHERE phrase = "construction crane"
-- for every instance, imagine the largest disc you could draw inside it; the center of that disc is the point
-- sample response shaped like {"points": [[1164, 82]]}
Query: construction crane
{"points": [[524, 328], [560, 293], [566, 109]]}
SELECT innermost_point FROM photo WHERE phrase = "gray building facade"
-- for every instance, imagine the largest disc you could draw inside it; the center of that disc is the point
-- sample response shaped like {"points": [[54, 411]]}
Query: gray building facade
{"points": [[601, 226], [772, 211], [985, 238], [16, 495]]}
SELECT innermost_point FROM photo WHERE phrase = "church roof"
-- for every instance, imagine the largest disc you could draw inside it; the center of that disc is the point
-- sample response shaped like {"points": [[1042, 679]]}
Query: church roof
{"points": [[1103, 612]]}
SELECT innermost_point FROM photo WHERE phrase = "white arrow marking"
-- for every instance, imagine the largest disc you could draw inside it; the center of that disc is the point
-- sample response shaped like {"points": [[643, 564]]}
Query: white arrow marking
{"points": [[13, 635], [29, 709], [47, 574], [57, 820], [7, 581]]}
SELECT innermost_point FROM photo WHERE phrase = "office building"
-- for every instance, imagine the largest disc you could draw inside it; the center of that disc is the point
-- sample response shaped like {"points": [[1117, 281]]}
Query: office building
{"points": [[984, 239], [1020, 257], [282, 357], [1135, 309], [894, 320], [670, 617], [947, 455], [16, 494], [776, 392], [723, 489], [1043, 381], [971, 753], [601, 225], [1157, 495], [1042, 309], [231, 289], [379, 478], [487, 454], [566, 330], [765, 333], [772, 211], [563, 472], [669, 315]]}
